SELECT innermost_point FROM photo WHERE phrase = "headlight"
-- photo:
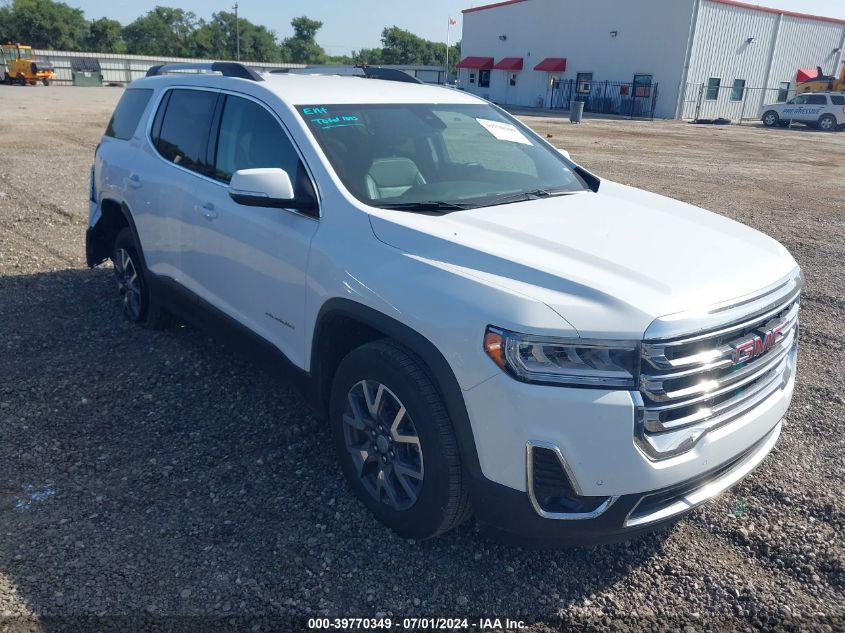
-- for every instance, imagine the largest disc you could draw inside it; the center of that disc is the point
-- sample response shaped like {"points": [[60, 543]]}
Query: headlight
{"points": [[561, 361]]}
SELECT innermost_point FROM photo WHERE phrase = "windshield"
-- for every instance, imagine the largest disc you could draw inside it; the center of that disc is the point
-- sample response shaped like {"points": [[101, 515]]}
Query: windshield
{"points": [[437, 156]]}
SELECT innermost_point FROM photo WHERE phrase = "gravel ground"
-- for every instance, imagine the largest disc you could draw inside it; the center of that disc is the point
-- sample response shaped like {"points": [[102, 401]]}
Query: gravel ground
{"points": [[150, 474]]}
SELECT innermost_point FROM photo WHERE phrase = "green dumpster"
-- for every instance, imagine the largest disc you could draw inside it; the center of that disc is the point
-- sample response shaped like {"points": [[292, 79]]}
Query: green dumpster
{"points": [[86, 71]]}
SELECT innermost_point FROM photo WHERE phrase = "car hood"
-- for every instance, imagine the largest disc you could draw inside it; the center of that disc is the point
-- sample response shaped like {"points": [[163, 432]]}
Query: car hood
{"points": [[608, 262]]}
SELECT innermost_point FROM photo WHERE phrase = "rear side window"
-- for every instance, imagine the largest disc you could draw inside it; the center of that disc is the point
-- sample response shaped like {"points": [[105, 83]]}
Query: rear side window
{"points": [[816, 100], [128, 113], [182, 127], [251, 137], [837, 99]]}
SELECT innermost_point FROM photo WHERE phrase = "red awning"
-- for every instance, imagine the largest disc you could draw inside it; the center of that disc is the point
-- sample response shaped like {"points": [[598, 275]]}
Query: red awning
{"points": [[806, 74], [509, 63], [478, 63], [552, 65]]}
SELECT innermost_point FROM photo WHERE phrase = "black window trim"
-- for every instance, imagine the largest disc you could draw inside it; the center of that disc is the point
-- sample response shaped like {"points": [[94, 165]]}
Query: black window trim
{"points": [[214, 132]]}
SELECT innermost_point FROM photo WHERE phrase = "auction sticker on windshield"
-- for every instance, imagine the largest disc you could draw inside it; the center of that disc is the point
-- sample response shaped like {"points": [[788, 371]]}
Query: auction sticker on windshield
{"points": [[504, 131]]}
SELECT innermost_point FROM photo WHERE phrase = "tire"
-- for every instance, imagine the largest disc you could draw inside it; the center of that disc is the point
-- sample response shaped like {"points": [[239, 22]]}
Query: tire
{"points": [[137, 303], [372, 387], [21, 80], [7, 79], [827, 123], [770, 118], [45, 81]]}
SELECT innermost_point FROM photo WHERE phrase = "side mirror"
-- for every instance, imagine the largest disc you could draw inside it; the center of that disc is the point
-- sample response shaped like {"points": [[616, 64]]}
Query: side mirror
{"points": [[564, 153], [266, 187]]}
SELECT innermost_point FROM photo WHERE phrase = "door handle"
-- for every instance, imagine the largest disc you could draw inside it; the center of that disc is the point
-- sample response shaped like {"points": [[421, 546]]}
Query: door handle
{"points": [[208, 211], [134, 181]]}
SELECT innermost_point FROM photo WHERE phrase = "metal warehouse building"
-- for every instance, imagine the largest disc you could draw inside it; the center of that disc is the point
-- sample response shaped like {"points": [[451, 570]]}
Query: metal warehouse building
{"points": [[666, 58]]}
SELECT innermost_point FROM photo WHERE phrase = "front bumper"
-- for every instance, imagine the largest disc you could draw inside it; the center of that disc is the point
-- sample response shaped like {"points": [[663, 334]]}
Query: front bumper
{"points": [[510, 514], [592, 432]]}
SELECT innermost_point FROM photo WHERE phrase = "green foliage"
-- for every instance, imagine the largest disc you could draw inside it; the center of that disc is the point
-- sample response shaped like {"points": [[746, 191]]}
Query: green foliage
{"points": [[403, 47], [174, 32], [302, 47], [218, 39], [105, 36], [163, 31], [43, 24]]}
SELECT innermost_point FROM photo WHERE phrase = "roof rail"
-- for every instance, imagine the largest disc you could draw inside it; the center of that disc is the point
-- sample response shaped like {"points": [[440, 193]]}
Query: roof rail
{"points": [[361, 70], [227, 69]]}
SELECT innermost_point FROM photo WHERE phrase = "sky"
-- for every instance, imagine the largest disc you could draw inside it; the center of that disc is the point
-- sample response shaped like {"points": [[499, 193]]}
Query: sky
{"points": [[354, 24]]}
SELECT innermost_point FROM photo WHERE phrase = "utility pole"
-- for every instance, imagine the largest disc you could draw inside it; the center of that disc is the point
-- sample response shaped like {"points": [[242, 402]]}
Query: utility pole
{"points": [[237, 33]]}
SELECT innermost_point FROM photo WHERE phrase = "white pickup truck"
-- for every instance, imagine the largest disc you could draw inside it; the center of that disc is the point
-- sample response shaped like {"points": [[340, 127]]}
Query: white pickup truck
{"points": [[489, 328]]}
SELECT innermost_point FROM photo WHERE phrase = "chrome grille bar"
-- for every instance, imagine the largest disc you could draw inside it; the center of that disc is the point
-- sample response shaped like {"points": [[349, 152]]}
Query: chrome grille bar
{"points": [[692, 384]]}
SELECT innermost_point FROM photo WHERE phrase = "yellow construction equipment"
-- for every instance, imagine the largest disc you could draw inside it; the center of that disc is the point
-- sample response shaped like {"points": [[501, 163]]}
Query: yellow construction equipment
{"points": [[822, 82], [20, 68]]}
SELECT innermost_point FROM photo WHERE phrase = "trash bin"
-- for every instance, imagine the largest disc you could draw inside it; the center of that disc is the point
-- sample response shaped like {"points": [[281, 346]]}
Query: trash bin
{"points": [[86, 71], [576, 112]]}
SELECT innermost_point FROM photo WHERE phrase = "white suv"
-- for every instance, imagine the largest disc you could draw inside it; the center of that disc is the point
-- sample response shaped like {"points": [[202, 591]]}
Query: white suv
{"points": [[489, 328], [824, 110]]}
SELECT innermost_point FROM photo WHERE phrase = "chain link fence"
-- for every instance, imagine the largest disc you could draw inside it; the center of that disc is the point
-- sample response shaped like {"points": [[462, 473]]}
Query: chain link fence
{"points": [[735, 103]]}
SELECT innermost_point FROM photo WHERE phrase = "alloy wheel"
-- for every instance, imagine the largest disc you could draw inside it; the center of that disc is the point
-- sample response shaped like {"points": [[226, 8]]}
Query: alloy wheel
{"points": [[129, 283], [383, 443]]}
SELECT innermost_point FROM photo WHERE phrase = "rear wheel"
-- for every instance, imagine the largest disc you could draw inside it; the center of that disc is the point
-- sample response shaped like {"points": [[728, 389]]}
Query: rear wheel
{"points": [[827, 123], [395, 441], [136, 300], [45, 81], [771, 118], [21, 80]]}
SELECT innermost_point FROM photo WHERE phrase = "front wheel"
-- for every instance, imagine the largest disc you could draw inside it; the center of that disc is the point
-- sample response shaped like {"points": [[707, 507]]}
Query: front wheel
{"points": [[827, 123], [45, 81], [395, 441], [136, 300], [771, 118]]}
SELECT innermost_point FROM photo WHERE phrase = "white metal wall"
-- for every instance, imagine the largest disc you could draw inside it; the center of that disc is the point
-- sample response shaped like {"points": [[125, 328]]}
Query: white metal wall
{"points": [[123, 68], [651, 38], [781, 45]]}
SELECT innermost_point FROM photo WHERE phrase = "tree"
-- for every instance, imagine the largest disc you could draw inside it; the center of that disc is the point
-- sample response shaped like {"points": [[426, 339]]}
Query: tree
{"points": [[302, 47], [163, 31], [43, 24], [217, 39], [106, 36]]}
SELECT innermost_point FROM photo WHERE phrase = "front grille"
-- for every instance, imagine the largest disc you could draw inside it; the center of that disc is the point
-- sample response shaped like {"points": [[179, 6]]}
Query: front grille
{"points": [[693, 384]]}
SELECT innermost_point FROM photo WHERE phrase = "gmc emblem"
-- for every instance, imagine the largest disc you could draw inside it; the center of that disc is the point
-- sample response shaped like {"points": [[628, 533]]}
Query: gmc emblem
{"points": [[757, 342]]}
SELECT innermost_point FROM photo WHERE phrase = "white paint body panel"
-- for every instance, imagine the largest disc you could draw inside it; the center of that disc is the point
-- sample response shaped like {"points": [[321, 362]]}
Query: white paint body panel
{"points": [[590, 264]]}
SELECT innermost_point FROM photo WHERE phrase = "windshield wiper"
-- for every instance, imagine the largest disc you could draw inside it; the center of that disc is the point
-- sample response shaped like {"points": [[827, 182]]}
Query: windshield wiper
{"points": [[522, 196], [427, 205]]}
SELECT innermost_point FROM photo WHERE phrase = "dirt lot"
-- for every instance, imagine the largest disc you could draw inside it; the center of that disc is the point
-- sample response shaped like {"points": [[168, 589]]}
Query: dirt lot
{"points": [[149, 474]]}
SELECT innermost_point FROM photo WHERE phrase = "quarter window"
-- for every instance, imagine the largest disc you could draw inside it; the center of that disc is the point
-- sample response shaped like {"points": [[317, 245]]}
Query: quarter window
{"points": [[837, 99], [713, 88], [128, 113], [738, 90], [181, 131]]}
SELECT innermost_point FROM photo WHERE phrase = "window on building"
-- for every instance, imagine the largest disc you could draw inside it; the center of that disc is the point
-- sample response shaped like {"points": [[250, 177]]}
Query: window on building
{"points": [[181, 133], [584, 83], [816, 100], [837, 99], [738, 90], [642, 85], [713, 85], [512, 79], [483, 78], [472, 78], [783, 91]]}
